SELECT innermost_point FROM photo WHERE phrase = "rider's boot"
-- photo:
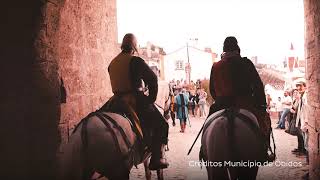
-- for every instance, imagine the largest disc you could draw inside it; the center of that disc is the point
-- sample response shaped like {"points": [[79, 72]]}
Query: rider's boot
{"points": [[157, 159]]}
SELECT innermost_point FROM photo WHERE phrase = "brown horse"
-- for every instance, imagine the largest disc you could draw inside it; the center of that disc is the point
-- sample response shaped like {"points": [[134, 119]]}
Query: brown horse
{"points": [[230, 143], [105, 143]]}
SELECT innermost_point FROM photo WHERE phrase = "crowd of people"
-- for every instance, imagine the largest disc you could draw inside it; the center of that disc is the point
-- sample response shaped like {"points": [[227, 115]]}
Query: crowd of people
{"points": [[291, 109], [187, 99]]}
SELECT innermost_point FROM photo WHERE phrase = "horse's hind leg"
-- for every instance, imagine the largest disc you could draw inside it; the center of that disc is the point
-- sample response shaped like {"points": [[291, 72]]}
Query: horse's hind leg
{"points": [[70, 162], [146, 169], [160, 174], [148, 172]]}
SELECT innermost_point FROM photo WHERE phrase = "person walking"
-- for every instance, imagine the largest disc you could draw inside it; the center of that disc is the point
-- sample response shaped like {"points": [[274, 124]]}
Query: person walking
{"points": [[279, 108], [192, 102], [197, 109], [172, 106], [269, 101], [182, 109]]}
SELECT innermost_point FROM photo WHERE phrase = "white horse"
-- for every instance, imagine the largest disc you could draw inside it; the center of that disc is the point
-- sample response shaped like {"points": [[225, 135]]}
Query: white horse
{"points": [[105, 143], [230, 140]]}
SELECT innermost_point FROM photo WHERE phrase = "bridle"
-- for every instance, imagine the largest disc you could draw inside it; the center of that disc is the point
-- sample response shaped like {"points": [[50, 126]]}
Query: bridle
{"points": [[162, 108]]}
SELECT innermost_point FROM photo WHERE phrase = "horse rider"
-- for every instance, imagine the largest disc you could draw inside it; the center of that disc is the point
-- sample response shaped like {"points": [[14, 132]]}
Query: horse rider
{"points": [[234, 82], [126, 75]]}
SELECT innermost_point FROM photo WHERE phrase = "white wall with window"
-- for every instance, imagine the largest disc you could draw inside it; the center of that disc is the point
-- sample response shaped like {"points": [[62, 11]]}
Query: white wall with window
{"points": [[200, 61], [179, 65]]}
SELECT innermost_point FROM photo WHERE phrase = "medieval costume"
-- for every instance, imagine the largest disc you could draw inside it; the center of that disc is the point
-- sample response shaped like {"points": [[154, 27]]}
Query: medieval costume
{"points": [[182, 109], [126, 75], [234, 82]]}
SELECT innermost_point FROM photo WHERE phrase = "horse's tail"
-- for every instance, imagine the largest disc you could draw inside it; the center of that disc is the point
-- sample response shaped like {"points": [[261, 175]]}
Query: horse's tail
{"points": [[71, 159], [230, 117], [232, 151], [74, 161]]}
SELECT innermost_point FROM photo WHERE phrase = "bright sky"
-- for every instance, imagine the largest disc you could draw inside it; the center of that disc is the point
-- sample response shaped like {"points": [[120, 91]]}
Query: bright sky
{"points": [[264, 28]]}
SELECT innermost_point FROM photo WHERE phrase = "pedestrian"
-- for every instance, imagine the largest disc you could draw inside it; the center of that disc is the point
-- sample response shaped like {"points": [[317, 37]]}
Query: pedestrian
{"points": [[172, 107], [202, 103], [182, 109], [301, 120], [295, 102], [173, 85], [279, 108], [269, 100], [185, 84], [292, 128], [192, 84], [286, 106], [192, 102], [198, 84], [185, 92], [178, 86], [197, 109]]}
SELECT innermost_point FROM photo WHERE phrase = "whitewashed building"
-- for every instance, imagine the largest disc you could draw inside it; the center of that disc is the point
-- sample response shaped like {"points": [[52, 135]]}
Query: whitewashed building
{"points": [[153, 56], [200, 63]]}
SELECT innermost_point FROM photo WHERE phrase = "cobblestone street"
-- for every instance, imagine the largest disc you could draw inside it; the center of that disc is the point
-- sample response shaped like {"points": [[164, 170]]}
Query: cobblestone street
{"points": [[179, 145]]}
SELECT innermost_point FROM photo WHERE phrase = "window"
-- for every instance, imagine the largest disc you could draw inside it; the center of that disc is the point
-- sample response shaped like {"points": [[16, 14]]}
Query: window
{"points": [[179, 65]]}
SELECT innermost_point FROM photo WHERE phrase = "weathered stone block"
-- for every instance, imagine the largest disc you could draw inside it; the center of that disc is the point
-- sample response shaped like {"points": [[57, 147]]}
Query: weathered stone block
{"points": [[312, 47]]}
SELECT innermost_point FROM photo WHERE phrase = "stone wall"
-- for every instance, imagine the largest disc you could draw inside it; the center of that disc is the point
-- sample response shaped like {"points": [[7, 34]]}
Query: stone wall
{"points": [[87, 43], [41, 43], [44, 42], [312, 50], [29, 106]]}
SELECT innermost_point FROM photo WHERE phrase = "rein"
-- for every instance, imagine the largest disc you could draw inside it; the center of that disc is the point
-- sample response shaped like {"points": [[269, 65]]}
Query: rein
{"points": [[159, 106], [165, 112], [165, 102], [203, 126]]}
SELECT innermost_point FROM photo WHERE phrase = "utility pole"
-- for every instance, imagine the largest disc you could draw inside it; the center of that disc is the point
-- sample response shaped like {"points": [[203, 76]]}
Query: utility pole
{"points": [[188, 67], [188, 53]]}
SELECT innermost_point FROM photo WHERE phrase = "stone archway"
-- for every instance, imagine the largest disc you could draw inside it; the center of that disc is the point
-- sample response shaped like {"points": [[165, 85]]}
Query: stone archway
{"points": [[44, 41]]}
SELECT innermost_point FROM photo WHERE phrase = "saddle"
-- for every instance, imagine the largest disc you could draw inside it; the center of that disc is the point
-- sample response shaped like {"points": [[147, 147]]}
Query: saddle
{"points": [[116, 105]]}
